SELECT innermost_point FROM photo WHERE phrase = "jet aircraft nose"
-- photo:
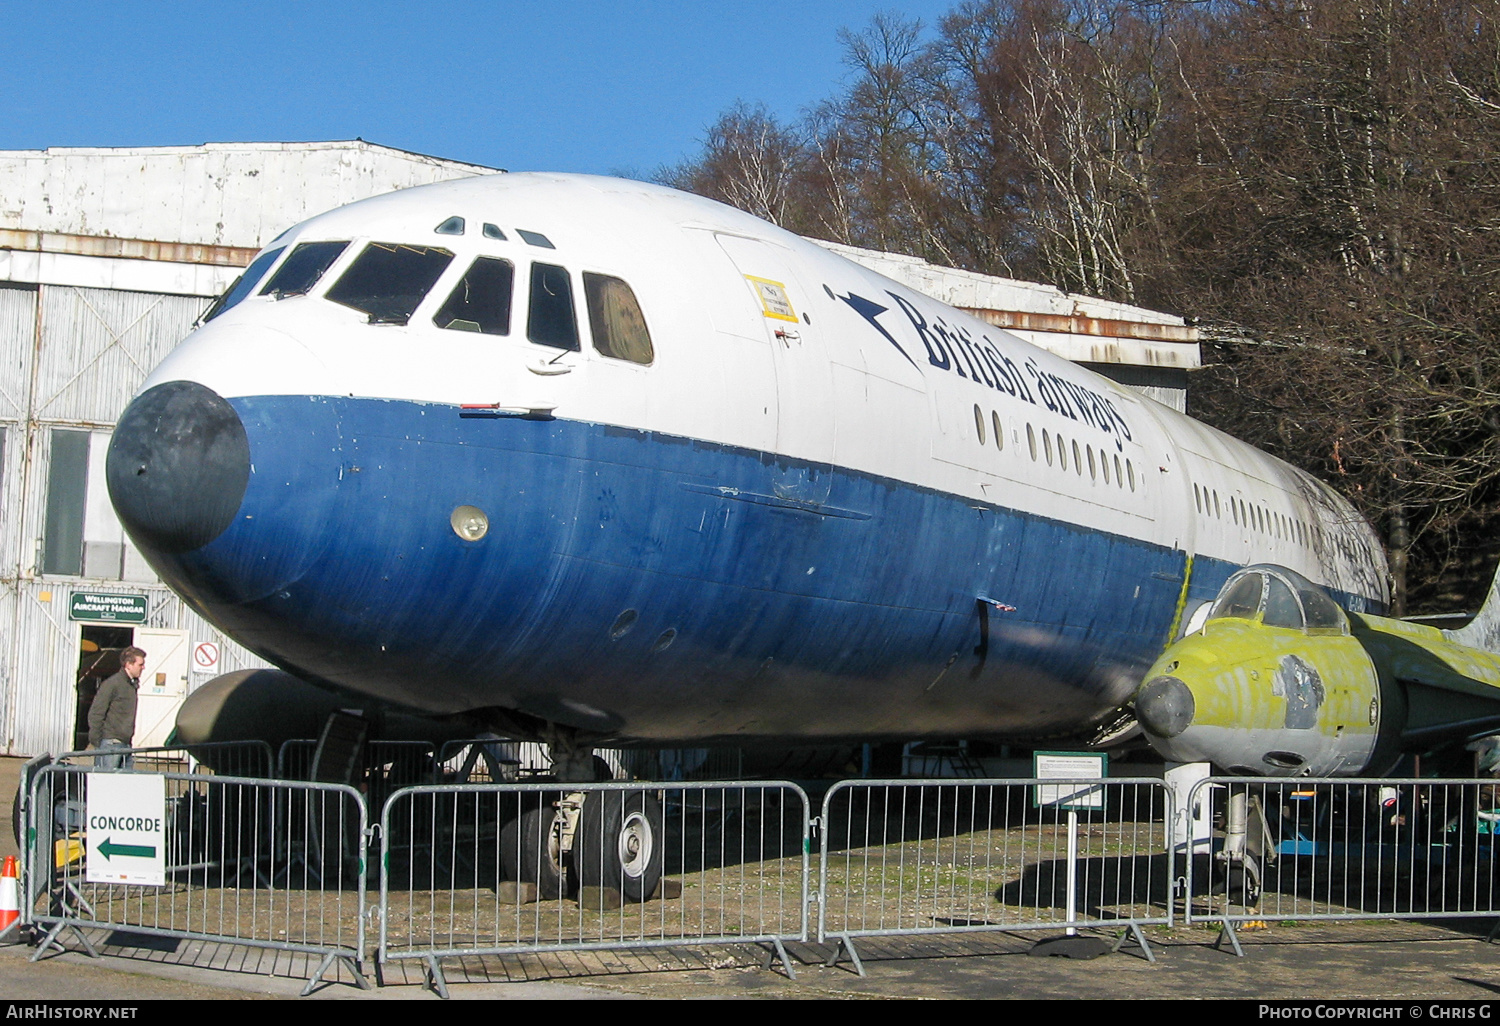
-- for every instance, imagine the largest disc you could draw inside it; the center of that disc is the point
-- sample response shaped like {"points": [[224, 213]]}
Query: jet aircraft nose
{"points": [[1165, 706], [178, 466]]}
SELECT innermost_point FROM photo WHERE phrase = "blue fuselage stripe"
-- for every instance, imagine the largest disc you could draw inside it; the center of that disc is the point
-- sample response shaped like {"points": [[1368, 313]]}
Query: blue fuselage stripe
{"points": [[658, 587]]}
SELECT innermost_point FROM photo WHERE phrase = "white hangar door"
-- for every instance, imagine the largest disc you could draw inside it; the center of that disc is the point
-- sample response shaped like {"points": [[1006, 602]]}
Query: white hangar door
{"points": [[163, 684], [804, 388]]}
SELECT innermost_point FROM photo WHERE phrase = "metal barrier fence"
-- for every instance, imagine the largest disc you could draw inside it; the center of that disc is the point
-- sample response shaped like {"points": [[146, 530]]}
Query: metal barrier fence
{"points": [[387, 765], [31, 882], [929, 856], [1344, 849], [484, 869], [269, 864], [225, 758]]}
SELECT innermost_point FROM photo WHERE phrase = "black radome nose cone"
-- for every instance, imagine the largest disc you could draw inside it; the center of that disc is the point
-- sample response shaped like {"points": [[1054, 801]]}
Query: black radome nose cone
{"points": [[178, 465], [1165, 706]]}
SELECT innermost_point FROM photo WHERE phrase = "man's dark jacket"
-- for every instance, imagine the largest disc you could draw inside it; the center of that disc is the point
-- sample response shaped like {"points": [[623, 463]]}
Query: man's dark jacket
{"points": [[113, 713]]}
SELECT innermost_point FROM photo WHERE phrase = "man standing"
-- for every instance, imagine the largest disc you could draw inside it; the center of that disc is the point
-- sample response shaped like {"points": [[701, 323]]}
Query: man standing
{"points": [[112, 716]]}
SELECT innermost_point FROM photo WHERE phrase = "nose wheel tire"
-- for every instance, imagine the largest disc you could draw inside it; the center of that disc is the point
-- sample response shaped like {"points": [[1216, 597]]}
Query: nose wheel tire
{"points": [[531, 850], [621, 838]]}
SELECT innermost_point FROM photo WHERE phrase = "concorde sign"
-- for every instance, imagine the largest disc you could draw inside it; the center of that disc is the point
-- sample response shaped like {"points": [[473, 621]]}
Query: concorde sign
{"points": [[127, 828]]}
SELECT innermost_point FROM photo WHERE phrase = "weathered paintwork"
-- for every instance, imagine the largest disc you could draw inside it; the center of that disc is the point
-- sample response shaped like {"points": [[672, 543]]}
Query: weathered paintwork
{"points": [[854, 512], [1337, 699]]}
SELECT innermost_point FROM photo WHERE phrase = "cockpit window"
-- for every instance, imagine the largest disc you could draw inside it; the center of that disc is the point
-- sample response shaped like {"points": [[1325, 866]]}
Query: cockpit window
{"points": [[388, 280], [1282, 609], [303, 268], [618, 325], [481, 300], [244, 284], [1242, 600], [550, 321], [1322, 612]]}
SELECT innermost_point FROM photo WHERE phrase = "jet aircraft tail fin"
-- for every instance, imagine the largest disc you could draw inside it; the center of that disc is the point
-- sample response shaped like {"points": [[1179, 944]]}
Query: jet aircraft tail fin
{"points": [[1482, 632]]}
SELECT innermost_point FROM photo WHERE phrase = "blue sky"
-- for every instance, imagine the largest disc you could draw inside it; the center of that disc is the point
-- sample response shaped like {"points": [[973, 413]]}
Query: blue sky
{"points": [[586, 86]]}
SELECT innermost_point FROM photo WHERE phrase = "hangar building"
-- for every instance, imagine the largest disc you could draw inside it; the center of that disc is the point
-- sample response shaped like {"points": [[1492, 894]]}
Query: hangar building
{"points": [[109, 256]]}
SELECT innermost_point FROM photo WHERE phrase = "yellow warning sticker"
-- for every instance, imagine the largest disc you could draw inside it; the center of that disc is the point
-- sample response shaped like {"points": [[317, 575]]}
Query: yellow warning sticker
{"points": [[774, 302]]}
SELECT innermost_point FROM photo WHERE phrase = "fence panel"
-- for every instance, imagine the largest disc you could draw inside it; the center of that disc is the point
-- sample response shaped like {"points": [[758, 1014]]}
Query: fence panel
{"points": [[224, 758], [939, 856], [1345, 849], [486, 868], [268, 864]]}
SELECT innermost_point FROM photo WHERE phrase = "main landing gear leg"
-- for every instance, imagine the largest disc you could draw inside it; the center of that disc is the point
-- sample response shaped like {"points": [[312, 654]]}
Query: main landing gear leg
{"points": [[610, 843]]}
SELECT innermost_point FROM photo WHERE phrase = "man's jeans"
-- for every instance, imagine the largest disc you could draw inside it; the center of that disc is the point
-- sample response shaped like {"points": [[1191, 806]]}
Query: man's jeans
{"points": [[122, 761]]}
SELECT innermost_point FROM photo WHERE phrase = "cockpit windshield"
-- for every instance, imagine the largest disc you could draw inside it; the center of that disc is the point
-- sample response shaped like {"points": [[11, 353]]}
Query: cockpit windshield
{"points": [[244, 284], [389, 280], [303, 268], [1286, 598]]}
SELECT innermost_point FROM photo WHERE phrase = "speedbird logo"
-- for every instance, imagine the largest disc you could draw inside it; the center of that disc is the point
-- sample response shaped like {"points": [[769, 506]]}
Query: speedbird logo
{"points": [[953, 349]]}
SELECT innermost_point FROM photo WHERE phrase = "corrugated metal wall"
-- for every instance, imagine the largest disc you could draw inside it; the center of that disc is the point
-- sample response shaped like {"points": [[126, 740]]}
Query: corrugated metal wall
{"points": [[97, 345], [41, 659]]}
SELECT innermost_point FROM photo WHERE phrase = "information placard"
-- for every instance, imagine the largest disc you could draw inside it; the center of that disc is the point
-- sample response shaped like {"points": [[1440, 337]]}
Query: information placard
{"points": [[1075, 766]]}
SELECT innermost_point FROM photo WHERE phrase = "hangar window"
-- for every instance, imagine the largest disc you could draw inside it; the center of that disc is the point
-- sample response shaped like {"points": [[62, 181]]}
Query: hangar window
{"points": [[481, 299], [303, 268], [1242, 600], [618, 326], [81, 535], [388, 280], [550, 321], [244, 284]]}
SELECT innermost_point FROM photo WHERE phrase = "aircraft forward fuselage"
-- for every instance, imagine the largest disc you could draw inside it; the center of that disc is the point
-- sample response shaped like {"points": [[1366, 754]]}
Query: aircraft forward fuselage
{"points": [[586, 452]]}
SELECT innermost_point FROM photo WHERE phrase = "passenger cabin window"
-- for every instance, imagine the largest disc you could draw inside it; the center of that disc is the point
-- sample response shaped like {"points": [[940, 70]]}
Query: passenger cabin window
{"points": [[550, 320], [388, 280], [245, 284], [1243, 600], [303, 268], [618, 325], [481, 300]]}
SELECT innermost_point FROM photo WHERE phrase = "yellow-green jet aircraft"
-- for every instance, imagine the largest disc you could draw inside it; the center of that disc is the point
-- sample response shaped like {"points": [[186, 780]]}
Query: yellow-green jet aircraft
{"points": [[1280, 681]]}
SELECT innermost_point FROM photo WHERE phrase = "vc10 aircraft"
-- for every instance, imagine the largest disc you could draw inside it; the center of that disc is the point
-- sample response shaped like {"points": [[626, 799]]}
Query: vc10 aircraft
{"points": [[586, 460]]}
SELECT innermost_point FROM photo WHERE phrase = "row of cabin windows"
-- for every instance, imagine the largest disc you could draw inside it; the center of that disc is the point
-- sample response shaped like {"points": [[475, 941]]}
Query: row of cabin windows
{"points": [[1249, 515], [388, 281], [1098, 461]]}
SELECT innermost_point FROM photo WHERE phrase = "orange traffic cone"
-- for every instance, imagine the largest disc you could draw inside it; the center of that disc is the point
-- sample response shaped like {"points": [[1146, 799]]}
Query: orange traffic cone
{"points": [[10, 904]]}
